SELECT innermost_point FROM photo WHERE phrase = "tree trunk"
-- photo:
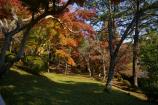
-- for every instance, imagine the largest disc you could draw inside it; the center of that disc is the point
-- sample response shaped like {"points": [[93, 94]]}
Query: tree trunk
{"points": [[23, 42], [104, 67], [48, 67], [136, 48], [87, 59], [104, 72], [135, 68], [111, 50], [6, 44], [66, 68], [88, 67], [49, 57], [110, 74]]}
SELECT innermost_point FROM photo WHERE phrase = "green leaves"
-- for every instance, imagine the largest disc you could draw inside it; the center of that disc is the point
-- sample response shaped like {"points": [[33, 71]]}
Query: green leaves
{"points": [[149, 59]]}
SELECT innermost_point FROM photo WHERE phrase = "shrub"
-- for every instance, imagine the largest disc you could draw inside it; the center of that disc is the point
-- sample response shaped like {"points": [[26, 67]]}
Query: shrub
{"points": [[34, 64], [150, 88], [149, 63], [9, 56]]}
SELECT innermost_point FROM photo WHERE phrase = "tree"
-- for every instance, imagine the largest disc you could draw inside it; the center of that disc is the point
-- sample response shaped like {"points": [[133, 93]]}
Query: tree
{"points": [[84, 50], [60, 35], [119, 16], [114, 52], [149, 65], [136, 46], [39, 10]]}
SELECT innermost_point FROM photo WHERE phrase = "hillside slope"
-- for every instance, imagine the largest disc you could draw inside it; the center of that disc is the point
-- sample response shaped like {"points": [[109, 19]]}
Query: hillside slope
{"points": [[21, 88]]}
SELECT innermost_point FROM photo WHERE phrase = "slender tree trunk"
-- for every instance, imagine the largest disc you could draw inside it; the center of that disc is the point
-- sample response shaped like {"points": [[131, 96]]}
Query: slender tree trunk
{"points": [[66, 68], [4, 49], [49, 57], [136, 48], [135, 68], [23, 43], [48, 67], [88, 67], [104, 72], [10, 46], [104, 67], [110, 73], [112, 56]]}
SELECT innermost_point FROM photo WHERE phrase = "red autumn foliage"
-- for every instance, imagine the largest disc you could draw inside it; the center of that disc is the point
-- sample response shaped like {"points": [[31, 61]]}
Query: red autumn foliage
{"points": [[76, 21], [6, 7], [86, 14]]}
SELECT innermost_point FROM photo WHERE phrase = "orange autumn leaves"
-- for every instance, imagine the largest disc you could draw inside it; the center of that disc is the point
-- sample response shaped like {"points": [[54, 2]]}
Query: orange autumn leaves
{"points": [[68, 30], [76, 21], [66, 56], [55, 28], [68, 41]]}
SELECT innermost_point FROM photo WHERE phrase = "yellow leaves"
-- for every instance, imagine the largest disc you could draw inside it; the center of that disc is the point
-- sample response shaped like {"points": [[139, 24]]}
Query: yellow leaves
{"points": [[63, 40], [70, 61], [71, 42], [53, 32], [50, 24], [57, 25], [68, 41], [40, 50], [66, 56], [61, 53]]}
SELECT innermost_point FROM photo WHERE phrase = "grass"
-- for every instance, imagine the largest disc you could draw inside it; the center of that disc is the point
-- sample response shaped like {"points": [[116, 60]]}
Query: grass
{"points": [[21, 88]]}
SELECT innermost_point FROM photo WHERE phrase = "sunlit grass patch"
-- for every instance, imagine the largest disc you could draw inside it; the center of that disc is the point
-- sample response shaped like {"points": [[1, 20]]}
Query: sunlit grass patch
{"points": [[21, 88]]}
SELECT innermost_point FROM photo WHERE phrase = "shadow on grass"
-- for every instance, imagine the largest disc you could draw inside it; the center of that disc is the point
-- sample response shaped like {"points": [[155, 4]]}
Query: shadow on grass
{"points": [[25, 89]]}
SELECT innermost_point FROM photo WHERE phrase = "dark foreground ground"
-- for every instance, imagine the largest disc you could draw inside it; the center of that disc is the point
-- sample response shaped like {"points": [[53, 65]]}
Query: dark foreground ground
{"points": [[20, 88]]}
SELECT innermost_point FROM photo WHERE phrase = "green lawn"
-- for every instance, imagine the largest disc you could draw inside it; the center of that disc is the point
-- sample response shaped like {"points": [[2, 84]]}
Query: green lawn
{"points": [[21, 88]]}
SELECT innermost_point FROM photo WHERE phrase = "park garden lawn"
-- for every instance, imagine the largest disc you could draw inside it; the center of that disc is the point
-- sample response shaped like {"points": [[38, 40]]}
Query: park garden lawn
{"points": [[21, 88]]}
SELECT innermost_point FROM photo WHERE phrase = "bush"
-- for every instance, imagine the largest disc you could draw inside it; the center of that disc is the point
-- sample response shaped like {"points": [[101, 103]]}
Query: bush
{"points": [[150, 88], [149, 63], [34, 64], [9, 56]]}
